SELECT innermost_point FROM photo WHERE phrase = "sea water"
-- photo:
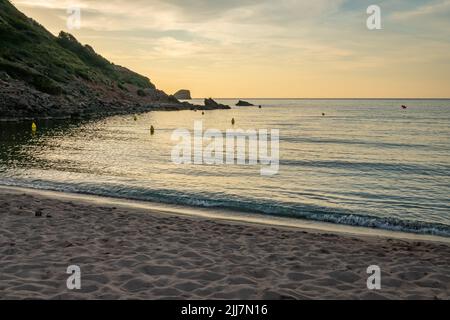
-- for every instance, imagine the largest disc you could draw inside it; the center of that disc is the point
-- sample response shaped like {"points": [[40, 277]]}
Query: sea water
{"points": [[365, 163]]}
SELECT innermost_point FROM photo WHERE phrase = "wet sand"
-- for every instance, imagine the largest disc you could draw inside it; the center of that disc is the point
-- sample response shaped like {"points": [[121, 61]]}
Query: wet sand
{"points": [[134, 253]]}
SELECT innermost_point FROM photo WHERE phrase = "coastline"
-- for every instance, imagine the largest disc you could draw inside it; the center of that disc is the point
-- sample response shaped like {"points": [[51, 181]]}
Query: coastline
{"points": [[182, 106], [229, 216], [134, 250]]}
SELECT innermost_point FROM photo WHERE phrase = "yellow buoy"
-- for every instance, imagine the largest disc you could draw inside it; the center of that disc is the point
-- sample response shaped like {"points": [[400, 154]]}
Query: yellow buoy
{"points": [[233, 122], [33, 127], [152, 130]]}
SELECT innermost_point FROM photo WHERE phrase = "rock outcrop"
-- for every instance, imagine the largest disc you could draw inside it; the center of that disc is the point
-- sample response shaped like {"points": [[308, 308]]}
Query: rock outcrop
{"points": [[183, 95], [242, 103], [211, 104]]}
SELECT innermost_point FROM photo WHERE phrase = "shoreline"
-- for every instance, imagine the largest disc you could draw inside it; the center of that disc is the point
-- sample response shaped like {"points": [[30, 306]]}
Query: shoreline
{"points": [[230, 216], [163, 107], [133, 251]]}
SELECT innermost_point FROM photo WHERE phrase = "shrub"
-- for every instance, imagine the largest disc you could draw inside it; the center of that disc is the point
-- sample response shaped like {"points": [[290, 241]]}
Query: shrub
{"points": [[122, 87], [46, 85]]}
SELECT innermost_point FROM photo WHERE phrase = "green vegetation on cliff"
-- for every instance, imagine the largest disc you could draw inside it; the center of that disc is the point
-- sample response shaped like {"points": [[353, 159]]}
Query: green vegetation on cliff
{"points": [[28, 52]]}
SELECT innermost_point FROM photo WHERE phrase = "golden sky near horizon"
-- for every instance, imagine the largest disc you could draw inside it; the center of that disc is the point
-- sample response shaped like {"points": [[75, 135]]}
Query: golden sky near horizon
{"points": [[268, 48]]}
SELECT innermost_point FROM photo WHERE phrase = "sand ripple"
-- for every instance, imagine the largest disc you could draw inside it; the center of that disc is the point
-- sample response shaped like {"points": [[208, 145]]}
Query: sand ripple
{"points": [[132, 254]]}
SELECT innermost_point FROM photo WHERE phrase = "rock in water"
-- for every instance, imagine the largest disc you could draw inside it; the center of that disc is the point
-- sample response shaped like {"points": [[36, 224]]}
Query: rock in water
{"points": [[242, 103], [183, 95], [211, 104]]}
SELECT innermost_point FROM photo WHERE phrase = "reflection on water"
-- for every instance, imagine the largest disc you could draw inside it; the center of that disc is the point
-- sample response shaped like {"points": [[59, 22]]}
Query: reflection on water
{"points": [[18, 141], [365, 163]]}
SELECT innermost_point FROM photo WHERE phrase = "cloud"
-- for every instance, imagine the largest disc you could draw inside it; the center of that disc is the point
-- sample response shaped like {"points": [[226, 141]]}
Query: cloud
{"points": [[173, 14], [437, 8], [297, 36], [180, 27], [320, 29]]}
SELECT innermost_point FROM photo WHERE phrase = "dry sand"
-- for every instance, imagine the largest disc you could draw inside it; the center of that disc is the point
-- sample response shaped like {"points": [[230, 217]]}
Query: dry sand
{"points": [[128, 253]]}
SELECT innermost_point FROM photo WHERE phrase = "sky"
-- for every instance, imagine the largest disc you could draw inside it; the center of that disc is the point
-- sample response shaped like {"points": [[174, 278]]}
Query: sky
{"points": [[268, 48]]}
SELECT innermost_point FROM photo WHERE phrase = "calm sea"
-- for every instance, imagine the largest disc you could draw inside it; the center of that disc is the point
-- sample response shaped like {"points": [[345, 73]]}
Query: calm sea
{"points": [[365, 163]]}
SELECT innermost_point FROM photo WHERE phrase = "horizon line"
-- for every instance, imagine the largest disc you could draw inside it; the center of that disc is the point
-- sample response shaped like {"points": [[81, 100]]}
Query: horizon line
{"points": [[268, 98]]}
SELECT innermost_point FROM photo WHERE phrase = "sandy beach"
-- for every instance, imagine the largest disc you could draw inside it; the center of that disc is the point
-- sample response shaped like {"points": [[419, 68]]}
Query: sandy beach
{"points": [[128, 253]]}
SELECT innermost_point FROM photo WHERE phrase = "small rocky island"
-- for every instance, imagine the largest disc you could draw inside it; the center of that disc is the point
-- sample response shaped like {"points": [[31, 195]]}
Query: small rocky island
{"points": [[242, 103], [211, 104], [183, 95]]}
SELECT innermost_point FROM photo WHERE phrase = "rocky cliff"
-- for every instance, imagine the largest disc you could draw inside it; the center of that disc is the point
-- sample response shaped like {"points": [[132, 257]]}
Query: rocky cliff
{"points": [[42, 75]]}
